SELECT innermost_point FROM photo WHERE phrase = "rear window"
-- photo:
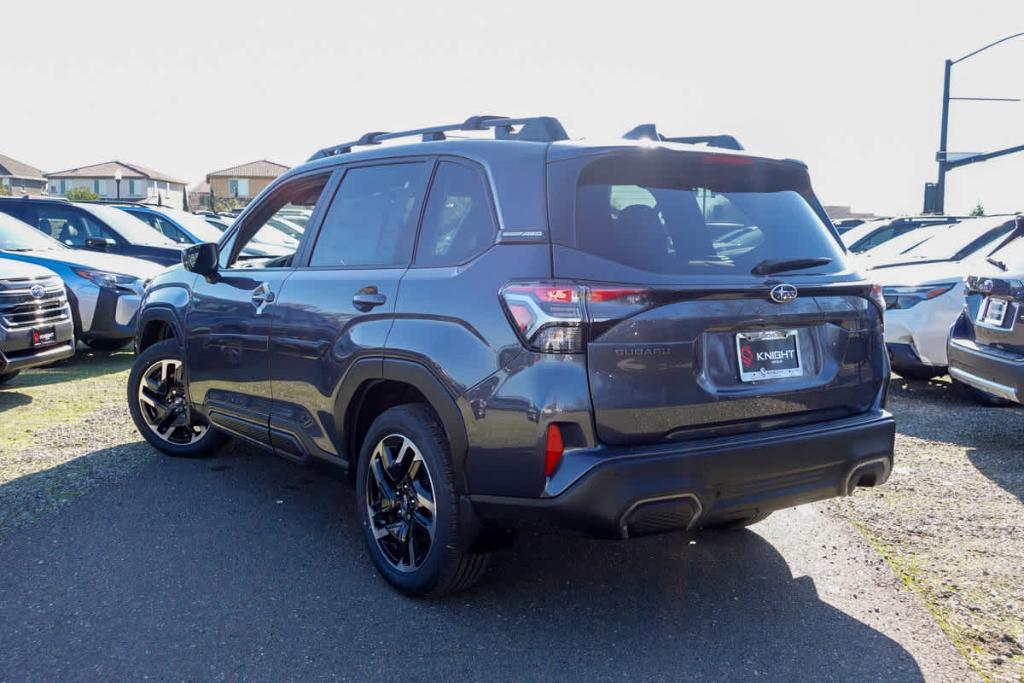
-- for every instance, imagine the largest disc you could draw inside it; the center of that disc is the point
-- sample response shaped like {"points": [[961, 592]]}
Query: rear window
{"points": [[698, 214]]}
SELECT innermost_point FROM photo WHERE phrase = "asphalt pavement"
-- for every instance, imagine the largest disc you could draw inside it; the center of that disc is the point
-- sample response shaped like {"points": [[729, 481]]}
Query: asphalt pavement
{"points": [[249, 567]]}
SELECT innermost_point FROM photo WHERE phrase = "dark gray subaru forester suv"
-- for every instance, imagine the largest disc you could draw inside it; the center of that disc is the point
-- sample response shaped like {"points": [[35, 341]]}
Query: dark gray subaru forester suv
{"points": [[616, 338]]}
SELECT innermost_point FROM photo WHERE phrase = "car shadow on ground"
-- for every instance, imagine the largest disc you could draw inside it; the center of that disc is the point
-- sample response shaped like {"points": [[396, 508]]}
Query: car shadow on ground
{"points": [[250, 567], [992, 436], [85, 363], [12, 399]]}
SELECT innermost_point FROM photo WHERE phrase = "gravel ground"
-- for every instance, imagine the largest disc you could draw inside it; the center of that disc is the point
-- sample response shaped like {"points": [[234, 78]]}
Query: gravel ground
{"points": [[951, 519]]}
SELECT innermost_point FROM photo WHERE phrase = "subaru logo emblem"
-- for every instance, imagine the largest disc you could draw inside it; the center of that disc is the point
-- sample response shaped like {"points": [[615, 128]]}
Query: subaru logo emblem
{"points": [[782, 294], [987, 286], [37, 291]]}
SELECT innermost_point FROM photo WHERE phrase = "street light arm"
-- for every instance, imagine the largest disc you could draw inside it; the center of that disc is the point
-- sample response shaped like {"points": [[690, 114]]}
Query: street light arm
{"points": [[982, 49]]}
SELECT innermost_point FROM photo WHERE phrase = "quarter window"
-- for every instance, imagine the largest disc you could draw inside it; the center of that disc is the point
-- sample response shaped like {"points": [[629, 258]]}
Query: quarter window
{"points": [[372, 220], [458, 223]]}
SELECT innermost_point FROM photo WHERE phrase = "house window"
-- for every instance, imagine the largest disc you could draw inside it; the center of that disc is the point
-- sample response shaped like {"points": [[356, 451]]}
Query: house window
{"points": [[54, 188], [238, 187], [63, 186], [133, 188], [99, 187]]}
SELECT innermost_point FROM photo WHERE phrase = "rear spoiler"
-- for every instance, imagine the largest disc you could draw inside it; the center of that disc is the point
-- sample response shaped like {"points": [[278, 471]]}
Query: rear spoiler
{"points": [[649, 131]]}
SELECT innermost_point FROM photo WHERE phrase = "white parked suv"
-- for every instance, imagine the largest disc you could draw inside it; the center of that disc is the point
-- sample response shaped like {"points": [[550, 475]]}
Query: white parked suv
{"points": [[924, 291]]}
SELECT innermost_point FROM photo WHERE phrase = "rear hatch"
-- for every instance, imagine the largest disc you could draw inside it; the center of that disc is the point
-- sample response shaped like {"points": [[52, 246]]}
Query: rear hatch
{"points": [[718, 298], [995, 298]]}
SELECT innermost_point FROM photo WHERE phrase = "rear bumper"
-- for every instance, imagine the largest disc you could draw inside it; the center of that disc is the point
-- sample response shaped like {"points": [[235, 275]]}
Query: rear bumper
{"points": [[663, 488], [989, 370]]}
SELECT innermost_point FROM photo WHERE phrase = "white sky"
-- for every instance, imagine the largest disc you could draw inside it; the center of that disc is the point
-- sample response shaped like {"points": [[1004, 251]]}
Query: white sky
{"points": [[192, 87]]}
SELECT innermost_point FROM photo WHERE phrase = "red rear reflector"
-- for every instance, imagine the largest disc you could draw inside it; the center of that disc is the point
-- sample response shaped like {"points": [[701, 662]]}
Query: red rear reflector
{"points": [[553, 450]]}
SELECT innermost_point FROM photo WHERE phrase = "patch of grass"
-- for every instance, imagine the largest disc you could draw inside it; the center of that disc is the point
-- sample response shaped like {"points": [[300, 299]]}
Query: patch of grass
{"points": [[63, 394]]}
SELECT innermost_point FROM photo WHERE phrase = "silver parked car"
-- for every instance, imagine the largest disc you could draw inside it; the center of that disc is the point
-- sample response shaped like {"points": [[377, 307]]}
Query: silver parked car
{"points": [[104, 289]]}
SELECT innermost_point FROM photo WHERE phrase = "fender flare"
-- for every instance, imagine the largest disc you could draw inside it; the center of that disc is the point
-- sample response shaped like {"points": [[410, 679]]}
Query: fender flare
{"points": [[365, 372], [159, 313]]}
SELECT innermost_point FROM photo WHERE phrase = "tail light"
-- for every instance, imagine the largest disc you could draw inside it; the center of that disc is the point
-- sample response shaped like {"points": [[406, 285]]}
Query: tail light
{"points": [[560, 317]]}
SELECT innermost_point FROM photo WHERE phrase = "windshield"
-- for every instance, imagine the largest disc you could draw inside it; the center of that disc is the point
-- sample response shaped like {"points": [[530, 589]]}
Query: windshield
{"points": [[905, 242], [1011, 254], [18, 236], [129, 227], [961, 240], [855, 234], [682, 217], [196, 225]]}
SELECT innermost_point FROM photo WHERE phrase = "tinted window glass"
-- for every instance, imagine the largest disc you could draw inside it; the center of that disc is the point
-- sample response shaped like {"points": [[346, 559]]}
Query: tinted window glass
{"points": [[458, 222], [70, 226], [372, 219], [686, 216]]}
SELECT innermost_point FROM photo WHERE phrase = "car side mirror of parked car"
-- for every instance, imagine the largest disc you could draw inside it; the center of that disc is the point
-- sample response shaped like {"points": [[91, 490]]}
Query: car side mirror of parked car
{"points": [[98, 243], [200, 259]]}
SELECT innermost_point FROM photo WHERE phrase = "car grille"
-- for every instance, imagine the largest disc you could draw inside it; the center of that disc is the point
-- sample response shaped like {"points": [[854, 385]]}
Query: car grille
{"points": [[19, 309]]}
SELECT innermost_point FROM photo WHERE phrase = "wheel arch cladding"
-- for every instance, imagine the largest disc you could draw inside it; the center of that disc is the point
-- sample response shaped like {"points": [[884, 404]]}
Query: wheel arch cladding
{"points": [[157, 325], [374, 385]]}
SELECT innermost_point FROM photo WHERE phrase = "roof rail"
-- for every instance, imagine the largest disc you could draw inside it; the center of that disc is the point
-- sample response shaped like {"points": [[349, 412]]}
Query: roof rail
{"points": [[648, 131], [532, 128]]}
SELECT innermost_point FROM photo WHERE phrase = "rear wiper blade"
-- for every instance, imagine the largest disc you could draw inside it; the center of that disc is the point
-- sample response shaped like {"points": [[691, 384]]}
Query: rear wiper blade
{"points": [[996, 262], [768, 266]]}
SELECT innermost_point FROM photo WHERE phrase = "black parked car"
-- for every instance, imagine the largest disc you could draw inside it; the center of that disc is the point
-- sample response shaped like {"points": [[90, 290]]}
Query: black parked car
{"points": [[986, 344], [616, 338], [83, 225]]}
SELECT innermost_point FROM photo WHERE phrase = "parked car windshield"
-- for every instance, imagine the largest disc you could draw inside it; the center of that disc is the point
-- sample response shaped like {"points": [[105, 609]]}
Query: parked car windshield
{"points": [[129, 227], [700, 216], [197, 226], [18, 236], [905, 242], [1011, 254], [961, 239]]}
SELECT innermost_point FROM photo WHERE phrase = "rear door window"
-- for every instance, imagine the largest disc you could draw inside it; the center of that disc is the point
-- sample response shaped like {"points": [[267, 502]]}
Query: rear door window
{"points": [[458, 222], [686, 215], [371, 221]]}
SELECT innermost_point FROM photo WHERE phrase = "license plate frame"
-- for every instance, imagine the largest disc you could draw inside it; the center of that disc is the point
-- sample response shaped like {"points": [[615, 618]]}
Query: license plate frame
{"points": [[755, 369], [43, 336]]}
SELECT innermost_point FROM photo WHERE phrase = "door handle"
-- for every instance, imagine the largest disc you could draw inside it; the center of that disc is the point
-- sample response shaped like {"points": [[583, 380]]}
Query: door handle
{"points": [[367, 298], [262, 295]]}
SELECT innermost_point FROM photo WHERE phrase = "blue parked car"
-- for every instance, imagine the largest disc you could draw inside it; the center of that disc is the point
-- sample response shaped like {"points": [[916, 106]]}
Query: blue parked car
{"points": [[93, 226]]}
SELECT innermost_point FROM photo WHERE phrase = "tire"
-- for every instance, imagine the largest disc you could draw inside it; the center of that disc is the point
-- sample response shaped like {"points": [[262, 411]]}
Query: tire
{"points": [[426, 468], [919, 372], [187, 436], [741, 523], [980, 397], [108, 344], [5, 378]]}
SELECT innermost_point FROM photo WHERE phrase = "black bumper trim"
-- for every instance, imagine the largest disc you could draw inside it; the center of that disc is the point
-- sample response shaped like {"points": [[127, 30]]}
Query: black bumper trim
{"points": [[755, 473]]}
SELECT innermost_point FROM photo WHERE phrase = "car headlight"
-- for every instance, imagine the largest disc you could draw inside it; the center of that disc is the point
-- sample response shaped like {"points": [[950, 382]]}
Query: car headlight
{"points": [[899, 298], [101, 278]]}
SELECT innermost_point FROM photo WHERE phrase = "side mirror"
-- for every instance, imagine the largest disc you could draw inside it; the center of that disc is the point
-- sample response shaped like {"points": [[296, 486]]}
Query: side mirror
{"points": [[98, 243], [200, 258]]}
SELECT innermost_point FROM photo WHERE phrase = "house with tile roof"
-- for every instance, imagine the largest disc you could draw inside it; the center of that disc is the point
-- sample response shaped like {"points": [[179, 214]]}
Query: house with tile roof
{"points": [[121, 180], [18, 178], [243, 182]]}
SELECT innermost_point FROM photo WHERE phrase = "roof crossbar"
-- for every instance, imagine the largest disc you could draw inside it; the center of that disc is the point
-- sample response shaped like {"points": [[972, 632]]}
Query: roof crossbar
{"points": [[531, 128], [648, 131]]}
